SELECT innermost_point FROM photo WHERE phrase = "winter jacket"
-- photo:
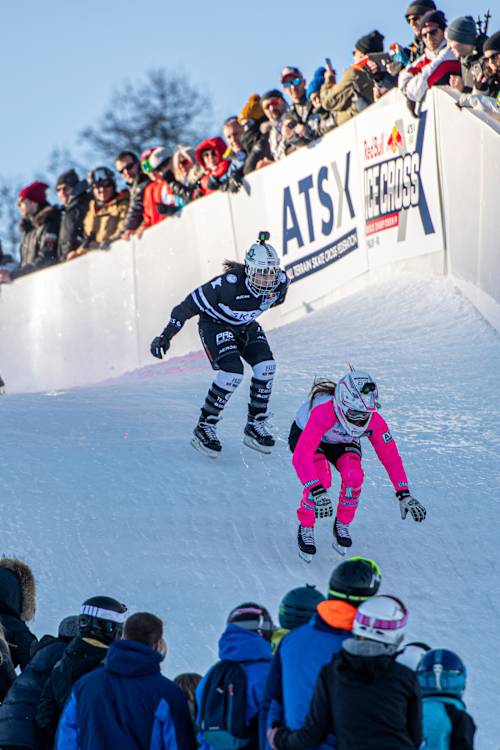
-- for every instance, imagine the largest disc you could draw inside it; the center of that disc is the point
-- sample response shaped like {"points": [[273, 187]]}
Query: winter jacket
{"points": [[71, 231], [297, 663], [7, 671], [17, 712], [365, 698], [446, 724], [39, 240], [320, 424], [159, 202], [350, 96], [277, 143], [227, 172], [256, 142], [127, 705], [133, 219], [304, 113], [81, 656], [430, 69], [17, 606], [254, 653], [103, 222]]}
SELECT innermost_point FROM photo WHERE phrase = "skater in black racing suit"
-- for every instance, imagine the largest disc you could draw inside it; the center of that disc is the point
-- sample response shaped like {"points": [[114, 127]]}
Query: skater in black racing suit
{"points": [[227, 307]]}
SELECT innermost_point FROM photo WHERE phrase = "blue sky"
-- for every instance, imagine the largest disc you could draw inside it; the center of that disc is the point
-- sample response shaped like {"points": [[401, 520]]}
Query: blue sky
{"points": [[61, 60]]}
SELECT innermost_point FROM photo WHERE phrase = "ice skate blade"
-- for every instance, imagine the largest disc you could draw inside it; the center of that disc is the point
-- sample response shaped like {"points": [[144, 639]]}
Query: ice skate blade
{"points": [[342, 551], [251, 443], [203, 449], [305, 556]]}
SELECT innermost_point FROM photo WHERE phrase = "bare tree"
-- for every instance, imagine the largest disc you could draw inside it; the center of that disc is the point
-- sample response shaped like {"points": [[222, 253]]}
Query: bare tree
{"points": [[164, 109], [9, 216]]}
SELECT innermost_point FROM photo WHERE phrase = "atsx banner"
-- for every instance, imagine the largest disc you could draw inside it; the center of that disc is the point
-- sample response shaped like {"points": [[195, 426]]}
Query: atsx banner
{"points": [[399, 179]]}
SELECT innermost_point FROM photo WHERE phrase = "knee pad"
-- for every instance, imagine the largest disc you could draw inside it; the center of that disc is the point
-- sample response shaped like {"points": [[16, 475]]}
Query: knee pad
{"points": [[229, 381], [264, 370], [351, 471]]}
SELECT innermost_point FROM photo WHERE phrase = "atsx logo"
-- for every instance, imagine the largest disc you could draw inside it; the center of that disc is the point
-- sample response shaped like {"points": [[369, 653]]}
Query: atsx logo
{"points": [[394, 185], [326, 188]]}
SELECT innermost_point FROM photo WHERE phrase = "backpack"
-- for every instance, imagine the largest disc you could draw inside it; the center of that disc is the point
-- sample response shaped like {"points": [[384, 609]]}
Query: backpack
{"points": [[223, 707]]}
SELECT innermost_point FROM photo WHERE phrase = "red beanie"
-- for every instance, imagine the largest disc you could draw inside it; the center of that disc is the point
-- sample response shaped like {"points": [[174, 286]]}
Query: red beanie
{"points": [[34, 192]]}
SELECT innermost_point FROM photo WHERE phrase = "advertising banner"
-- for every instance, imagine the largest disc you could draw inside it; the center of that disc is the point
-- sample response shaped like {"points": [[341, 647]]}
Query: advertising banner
{"points": [[399, 178]]}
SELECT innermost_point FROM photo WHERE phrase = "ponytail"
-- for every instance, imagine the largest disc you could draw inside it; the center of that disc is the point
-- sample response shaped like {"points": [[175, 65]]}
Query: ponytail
{"points": [[321, 386]]}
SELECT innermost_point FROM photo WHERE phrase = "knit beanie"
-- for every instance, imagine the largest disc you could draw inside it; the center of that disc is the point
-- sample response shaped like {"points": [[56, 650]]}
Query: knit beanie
{"points": [[35, 191], [420, 7], [316, 81], [433, 16], [373, 42], [252, 109], [69, 178], [462, 30], [272, 94], [492, 44]]}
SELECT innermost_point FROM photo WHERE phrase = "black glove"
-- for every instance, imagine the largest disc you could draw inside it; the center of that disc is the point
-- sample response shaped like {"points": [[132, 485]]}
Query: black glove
{"points": [[160, 345]]}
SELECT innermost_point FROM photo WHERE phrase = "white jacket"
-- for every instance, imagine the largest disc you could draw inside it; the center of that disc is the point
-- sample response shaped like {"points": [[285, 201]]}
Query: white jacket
{"points": [[428, 70]]}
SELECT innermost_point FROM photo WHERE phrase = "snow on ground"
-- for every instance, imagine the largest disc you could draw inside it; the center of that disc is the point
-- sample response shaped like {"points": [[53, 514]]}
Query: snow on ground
{"points": [[102, 492]]}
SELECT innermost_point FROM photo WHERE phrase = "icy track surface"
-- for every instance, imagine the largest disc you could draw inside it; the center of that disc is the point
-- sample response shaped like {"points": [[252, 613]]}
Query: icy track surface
{"points": [[102, 492]]}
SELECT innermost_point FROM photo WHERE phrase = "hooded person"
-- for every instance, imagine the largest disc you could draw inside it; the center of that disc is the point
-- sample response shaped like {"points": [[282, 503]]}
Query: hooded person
{"points": [[39, 227], [186, 174], [355, 90], [7, 671], [17, 712], [75, 197], [363, 695], [17, 607], [220, 173], [246, 641], [306, 649], [100, 623]]}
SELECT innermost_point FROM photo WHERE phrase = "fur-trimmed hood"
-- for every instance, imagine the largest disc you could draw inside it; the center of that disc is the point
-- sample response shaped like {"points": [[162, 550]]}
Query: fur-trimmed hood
{"points": [[17, 589]]}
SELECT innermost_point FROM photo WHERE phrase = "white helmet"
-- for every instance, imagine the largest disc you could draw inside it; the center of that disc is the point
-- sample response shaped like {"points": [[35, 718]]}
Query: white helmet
{"points": [[262, 266], [381, 618], [355, 401]]}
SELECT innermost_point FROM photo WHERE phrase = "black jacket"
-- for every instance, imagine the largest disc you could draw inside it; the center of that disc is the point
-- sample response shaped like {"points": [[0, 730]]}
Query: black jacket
{"points": [[7, 671], [17, 712], [17, 605], [39, 235], [80, 657], [71, 231], [133, 219], [366, 699]]}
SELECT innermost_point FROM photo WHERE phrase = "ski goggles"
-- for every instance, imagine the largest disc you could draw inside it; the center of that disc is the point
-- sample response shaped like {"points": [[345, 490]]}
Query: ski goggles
{"points": [[292, 82]]}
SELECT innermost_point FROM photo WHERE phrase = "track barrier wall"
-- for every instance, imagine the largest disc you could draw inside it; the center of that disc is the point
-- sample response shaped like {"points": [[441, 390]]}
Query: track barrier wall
{"points": [[384, 191]]}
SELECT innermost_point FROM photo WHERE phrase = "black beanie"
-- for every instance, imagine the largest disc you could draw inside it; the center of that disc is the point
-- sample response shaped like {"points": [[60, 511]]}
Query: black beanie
{"points": [[433, 16], [370, 43], [420, 7], [69, 178], [272, 94], [492, 44]]}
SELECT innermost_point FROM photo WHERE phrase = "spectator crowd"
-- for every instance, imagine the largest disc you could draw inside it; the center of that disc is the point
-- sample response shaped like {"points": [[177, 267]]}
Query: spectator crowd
{"points": [[93, 211], [335, 673]]}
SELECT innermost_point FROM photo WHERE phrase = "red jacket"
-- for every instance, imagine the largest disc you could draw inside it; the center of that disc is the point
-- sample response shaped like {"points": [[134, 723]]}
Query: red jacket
{"points": [[155, 192], [218, 145]]}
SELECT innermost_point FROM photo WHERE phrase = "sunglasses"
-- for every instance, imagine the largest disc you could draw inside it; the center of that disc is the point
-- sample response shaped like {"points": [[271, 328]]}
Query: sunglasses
{"points": [[127, 167], [102, 184], [413, 18], [431, 32], [292, 82], [272, 103]]}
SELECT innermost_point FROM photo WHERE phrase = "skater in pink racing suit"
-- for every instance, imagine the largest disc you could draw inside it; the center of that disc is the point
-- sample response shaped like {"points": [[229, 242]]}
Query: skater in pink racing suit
{"points": [[327, 430]]}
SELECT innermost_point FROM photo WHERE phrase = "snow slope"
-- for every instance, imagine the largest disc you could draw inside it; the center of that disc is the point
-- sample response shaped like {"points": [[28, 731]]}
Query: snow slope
{"points": [[102, 492]]}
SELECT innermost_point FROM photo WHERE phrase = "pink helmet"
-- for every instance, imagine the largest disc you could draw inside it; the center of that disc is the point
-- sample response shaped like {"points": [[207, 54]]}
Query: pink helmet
{"points": [[355, 401], [382, 618]]}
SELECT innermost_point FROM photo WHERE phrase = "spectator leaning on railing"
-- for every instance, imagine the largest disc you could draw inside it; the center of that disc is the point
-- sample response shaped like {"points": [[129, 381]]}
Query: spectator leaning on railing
{"points": [[75, 198], [326, 119], [128, 165], [355, 91], [186, 173], [39, 226], [255, 136], [103, 222], [159, 200], [274, 106], [294, 85], [220, 173], [467, 47], [435, 66]]}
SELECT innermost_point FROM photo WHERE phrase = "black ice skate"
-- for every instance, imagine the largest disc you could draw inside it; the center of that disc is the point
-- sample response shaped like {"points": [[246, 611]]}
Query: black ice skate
{"points": [[205, 439], [257, 436], [305, 539], [342, 540]]}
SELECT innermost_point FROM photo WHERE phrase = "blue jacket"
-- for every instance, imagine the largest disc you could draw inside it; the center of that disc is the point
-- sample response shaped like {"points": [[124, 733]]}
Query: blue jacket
{"points": [[298, 661], [126, 704], [446, 723], [255, 654]]}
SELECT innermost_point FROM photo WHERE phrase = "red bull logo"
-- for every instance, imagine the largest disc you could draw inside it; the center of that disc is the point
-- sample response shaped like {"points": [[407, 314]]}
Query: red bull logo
{"points": [[395, 142]]}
